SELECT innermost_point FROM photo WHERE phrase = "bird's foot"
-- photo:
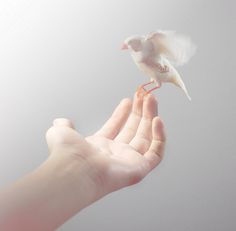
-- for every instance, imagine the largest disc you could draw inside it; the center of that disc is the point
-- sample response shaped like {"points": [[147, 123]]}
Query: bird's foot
{"points": [[149, 91], [141, 92]]}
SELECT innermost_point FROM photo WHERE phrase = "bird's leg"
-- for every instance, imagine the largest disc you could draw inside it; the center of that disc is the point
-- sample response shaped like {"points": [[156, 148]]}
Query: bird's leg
{"points": [[141, 88], [145, 84], [149, 91]]}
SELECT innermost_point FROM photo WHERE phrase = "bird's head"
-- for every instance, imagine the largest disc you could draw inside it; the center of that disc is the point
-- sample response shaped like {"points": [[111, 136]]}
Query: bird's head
{"points": [[133, 43]]}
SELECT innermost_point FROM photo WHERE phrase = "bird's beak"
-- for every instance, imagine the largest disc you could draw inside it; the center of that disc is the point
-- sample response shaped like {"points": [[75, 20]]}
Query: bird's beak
{"points": [[124, 46]]}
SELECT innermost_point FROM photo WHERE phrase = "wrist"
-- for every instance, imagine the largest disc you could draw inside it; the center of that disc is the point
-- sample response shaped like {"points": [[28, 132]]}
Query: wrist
{"points": [[73, 181], [49, 196]]}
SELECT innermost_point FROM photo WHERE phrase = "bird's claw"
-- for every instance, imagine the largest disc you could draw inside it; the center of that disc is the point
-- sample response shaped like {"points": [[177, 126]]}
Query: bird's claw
{"points": [[141, 92]]}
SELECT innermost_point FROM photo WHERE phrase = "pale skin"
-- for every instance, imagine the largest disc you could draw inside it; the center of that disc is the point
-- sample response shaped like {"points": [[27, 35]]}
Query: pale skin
{"points": [[81, 170]]}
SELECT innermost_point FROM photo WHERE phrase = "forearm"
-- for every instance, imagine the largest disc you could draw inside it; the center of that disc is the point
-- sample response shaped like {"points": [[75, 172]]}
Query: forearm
{"points": [[46, 198]]}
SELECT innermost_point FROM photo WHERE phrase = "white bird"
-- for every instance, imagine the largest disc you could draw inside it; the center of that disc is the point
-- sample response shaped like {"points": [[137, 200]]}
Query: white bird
{"points": [[156, 55]]}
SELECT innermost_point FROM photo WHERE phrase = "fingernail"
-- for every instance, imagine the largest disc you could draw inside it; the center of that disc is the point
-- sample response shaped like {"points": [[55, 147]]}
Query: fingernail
{"points": [[147, 96]]}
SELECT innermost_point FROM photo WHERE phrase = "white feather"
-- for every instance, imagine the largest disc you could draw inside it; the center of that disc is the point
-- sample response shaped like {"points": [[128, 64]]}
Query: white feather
{"points": [[177, 48], [156, 53]]}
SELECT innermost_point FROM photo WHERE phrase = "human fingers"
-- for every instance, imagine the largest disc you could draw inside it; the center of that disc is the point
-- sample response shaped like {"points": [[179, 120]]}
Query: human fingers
{"points": [[129, 130], [113, 125], [143, 136], [156, 150], [63, 122]]}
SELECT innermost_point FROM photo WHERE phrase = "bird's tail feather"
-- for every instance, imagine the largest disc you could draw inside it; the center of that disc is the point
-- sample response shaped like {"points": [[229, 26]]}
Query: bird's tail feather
{"points": [[179, 82]]}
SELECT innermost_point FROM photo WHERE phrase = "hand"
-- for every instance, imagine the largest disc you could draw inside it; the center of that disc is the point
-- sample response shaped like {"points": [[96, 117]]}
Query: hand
{"points": [[81, 170], [122, 152]]}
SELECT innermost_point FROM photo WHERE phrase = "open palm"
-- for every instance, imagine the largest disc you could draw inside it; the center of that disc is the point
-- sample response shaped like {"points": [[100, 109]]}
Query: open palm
{"points": [[124, 150]]}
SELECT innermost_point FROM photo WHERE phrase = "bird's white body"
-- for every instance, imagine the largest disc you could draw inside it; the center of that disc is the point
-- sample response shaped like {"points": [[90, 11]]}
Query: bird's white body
{"points": [[152, 53]]}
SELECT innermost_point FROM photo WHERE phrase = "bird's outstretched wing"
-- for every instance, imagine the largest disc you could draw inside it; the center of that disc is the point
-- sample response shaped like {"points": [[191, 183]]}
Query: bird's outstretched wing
{"points": [[177, 48]]}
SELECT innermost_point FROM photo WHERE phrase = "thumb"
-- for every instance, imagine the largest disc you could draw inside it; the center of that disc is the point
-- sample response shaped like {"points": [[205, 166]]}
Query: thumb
{"points": [[63, 123], [58, 133]]}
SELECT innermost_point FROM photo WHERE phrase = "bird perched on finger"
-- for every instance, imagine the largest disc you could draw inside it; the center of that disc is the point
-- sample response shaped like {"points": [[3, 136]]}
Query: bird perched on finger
{"points": [[157, 54]]}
